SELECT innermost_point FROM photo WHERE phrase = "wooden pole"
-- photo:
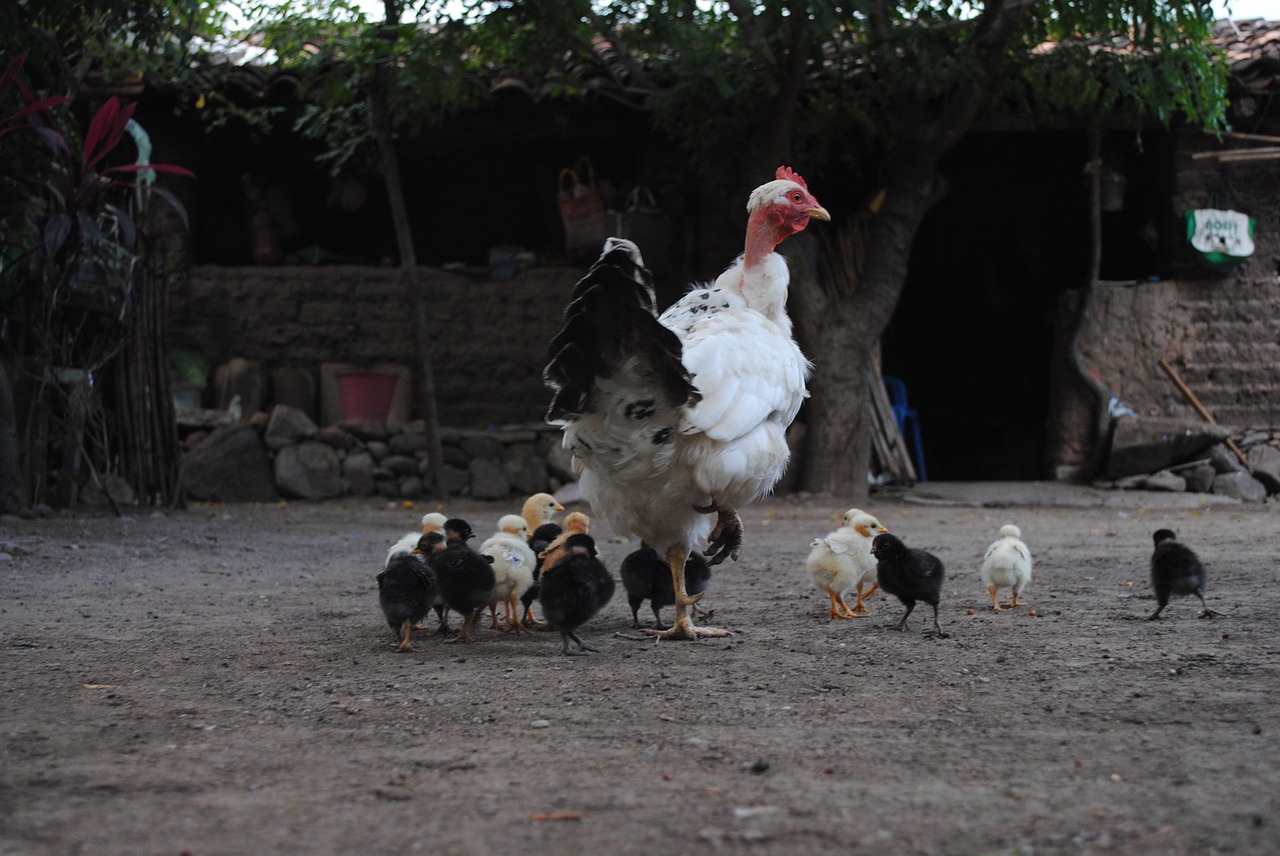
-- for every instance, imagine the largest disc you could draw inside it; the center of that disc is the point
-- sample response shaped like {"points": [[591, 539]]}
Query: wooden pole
{"points": [[1199, 408]]}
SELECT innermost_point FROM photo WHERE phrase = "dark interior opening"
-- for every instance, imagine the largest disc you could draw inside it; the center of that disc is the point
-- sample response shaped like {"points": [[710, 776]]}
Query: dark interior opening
{"points": [[972, 335]]}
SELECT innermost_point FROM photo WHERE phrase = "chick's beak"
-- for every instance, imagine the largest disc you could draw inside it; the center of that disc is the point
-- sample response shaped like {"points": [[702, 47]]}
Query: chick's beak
{"points": [[819, 213]]}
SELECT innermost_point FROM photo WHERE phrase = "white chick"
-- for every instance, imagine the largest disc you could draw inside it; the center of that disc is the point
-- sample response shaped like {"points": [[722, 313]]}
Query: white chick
{"points": [[1007, 563], [433, 521], [857, 529], [833, 570], [513, 564], [539, 509]]}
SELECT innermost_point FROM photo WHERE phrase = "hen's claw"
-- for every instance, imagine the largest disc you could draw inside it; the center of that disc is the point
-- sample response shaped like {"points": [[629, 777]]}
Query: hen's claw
{"points": [[726, 538]]}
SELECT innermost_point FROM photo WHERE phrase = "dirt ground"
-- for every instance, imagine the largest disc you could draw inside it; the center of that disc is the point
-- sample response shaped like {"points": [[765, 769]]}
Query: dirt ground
{"points": [[221, 681]]}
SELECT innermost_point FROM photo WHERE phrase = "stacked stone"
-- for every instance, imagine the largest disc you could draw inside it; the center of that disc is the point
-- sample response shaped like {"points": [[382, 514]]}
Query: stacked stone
{"points": [[286, 455]]}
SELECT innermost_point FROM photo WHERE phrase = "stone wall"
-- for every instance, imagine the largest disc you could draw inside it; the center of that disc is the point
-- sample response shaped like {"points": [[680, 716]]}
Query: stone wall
{"points": [[488, 336]]}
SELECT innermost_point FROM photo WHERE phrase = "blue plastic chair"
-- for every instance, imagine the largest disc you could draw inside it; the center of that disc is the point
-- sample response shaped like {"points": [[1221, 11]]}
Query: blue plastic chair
{"points": [[902, 414]]}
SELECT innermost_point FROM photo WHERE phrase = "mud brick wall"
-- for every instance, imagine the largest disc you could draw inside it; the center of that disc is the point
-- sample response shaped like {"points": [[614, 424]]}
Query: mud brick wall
{"points": [[488, 336], [1219, 329]]}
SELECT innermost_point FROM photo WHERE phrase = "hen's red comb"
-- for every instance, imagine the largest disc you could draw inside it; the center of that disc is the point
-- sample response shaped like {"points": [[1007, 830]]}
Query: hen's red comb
{"points": [[786, 173]]}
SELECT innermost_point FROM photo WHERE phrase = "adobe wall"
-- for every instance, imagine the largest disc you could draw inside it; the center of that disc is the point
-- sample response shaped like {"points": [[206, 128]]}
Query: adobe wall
{"points": [[1219, 329], [488, 336]]}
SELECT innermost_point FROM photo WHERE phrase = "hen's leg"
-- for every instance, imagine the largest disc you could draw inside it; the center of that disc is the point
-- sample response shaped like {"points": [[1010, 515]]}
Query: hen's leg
{"points": [[683, 627]]}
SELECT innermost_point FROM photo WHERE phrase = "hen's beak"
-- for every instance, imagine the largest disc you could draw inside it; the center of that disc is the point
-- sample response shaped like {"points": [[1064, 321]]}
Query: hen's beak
{"points": [[819, 212]]}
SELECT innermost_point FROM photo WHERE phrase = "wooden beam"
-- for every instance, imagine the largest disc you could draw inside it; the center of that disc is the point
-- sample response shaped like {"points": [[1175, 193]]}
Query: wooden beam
{"points": [[1198, 406]]}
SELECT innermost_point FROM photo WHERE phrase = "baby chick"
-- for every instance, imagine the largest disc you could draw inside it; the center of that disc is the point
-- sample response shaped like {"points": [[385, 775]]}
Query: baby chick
{"points": [[832, 570], [910, 575], [513, 564], [647, 576], [465, 578], [856, 530], [539, 540], [1007, 563], [1175, 569], [539, 509], [576, 523], [406, 590], [574, 589]]}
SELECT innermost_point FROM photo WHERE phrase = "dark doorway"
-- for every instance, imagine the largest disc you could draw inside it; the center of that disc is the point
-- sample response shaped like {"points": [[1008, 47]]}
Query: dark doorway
{"points": [[973, 334]]}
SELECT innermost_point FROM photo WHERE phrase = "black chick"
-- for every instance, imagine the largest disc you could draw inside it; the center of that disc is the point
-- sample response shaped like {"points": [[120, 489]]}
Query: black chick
{"points": [[647, 576], [574, 589], [1175, 569], [428, 545], [539, 540], [910, 575], [406, 590], [465, 577]]}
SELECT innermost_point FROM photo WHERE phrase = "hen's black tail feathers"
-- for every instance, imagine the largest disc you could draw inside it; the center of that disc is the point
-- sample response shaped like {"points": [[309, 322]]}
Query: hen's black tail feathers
{"points": [[610, 320]]}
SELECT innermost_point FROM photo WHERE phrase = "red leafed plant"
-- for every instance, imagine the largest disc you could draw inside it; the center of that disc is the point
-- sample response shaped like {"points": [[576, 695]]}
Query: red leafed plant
{"points": [[82, 209]]}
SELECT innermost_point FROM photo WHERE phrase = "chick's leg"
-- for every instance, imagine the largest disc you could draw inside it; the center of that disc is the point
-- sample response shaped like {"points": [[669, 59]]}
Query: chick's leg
{"points": [[839, 609], [403, 636], [512, 609], [995, 601], [860, 605], [1015, 602], [464, 635], [683, 627]]}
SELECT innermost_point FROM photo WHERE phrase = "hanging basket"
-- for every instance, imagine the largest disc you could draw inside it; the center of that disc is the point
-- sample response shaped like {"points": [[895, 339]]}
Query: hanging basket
{"points": [[1221, 238]]}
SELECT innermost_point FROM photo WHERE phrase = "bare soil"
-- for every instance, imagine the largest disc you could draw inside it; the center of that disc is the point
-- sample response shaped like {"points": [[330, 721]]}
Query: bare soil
{"points": [[221, 681]]}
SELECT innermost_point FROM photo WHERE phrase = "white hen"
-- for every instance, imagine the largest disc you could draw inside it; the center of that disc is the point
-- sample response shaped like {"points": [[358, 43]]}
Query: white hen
{"points": [[673, 419], [1007, 564], [513, 564]]}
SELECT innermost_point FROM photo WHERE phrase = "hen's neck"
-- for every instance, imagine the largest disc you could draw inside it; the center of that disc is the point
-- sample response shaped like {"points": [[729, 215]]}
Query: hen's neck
{"points": [[762, 273]]}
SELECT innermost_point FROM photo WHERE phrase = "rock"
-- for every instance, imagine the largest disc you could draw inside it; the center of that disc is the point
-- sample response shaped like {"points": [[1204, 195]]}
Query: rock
{"points": [[487, 480], [454, 480], [288, 425], [309, 470], [454, 456], [335, 438], [1165, 480], [1199, 478], [390, 488], [358, 469], [560, 463], [295, 386], [113, 486], [1242, 486], [246, 379], [378, 449], [525, 469], [1264, 464], [231, 465], [1224, 460], [411, 487], [366, 429], [1141, 445], [401, 465], [482, 446], [407, 444]]}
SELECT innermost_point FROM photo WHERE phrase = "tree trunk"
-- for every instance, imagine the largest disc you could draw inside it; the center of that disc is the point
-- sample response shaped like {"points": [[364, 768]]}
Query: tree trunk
{"points": [[840, 315], [409, 270], [12, 479]]}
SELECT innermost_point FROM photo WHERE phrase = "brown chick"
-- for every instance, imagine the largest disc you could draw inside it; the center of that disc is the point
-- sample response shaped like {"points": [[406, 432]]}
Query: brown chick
{"points": [[576, 523]]}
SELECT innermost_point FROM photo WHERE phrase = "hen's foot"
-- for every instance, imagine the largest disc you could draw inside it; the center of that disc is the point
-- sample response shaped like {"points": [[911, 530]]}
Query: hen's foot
{"points": [[727, 537], [684, 628]]}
